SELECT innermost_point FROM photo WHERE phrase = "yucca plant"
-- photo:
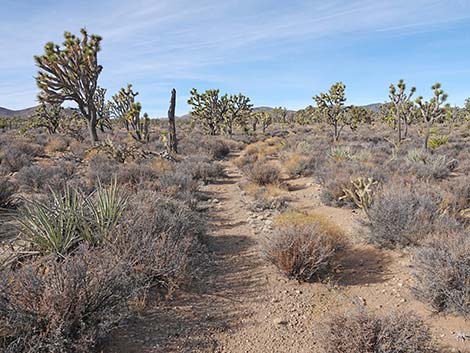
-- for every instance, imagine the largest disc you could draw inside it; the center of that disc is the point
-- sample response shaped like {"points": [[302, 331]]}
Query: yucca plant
{"points": [[54, 226], [57, 225], [340, 153], [106, 206]]}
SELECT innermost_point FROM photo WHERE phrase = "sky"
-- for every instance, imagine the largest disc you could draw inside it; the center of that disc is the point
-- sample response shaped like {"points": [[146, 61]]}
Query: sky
{"points": [[279, 53]]}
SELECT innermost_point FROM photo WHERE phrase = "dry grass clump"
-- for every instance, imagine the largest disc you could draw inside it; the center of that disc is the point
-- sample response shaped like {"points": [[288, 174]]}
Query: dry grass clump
{"points": [[442, 272], [296, 165], [304, 247], [363, 332], [263, 173], [56, 143]]}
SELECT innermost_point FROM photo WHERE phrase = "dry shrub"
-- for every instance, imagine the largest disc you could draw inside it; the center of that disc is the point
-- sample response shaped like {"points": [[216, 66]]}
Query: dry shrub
{"points": [[62, 306], [201, 168], [162, 238], [297, 165], [400, 216], [269, 197], [7, 190], [161, 165], [442, 272], [363, 332], [17, 154], [304, 247], [42, 177], [56, 143], [263, 173]]}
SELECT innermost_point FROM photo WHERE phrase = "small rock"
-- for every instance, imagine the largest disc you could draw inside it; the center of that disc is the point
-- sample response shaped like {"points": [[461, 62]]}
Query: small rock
{"points": [[279, 321]]}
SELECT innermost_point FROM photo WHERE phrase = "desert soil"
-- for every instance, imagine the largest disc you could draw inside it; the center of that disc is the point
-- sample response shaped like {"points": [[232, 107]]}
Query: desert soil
{"points": [[243, 304]]}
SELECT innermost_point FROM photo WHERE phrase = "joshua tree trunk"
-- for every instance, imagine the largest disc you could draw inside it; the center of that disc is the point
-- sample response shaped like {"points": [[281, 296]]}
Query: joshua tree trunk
{"points": [[426, 136], [172, 141]]}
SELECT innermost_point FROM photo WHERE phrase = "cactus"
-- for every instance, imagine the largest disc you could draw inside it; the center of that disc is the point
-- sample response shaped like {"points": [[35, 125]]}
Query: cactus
{"points": [[361, 193], [71, 73]]}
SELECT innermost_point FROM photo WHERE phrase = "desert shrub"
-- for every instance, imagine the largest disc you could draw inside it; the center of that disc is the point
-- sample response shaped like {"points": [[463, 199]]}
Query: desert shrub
{"points": [[102, 168], [364, 332], [426, 165], [62, 306], [59, 223], [179, 185], [263, 173], [400, 217], [56, 143], [136, 175], [269, 198], [304, 247], [218, 148], [17, 154], [213, 146], [298, 165], [162, 237], [442, 272], [7, 190], [43, 177], [201, 168], [457, 198]]}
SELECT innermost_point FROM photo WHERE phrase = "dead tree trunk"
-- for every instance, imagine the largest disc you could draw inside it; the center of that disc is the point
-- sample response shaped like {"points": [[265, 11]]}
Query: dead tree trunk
{"points": [[172, 141]]}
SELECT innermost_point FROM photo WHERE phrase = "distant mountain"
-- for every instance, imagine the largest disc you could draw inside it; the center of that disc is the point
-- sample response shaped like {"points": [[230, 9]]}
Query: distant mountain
{"points": [[374, 106], [23, 113]]}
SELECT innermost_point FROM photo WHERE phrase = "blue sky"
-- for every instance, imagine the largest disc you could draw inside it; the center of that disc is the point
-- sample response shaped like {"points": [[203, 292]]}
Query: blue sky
{"points": [[279, 53]]}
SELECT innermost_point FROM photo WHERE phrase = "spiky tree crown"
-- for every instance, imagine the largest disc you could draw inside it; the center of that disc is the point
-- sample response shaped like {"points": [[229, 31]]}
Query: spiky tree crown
{"points": [[69, 72]]}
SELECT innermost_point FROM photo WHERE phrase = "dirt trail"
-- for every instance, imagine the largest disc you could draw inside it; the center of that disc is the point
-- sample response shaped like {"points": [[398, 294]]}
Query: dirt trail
{"points": [[244, 305]]}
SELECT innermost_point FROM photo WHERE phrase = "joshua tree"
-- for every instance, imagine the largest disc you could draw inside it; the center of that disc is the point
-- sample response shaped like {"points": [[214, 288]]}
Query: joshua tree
{"points": [[280, 115], [124, 108], [402, 106], [432, 110], [172, 143], [209, 109], [103, 112], [48, 116], [332, 107], [306, 116], [261, 117], [238, 112], [71, 73]]}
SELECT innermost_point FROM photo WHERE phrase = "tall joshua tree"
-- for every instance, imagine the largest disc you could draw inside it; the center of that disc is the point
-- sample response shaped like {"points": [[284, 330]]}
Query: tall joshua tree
{"points": [[432, 110], [71, 73], [209, 109], [332, 107], [402, 106], [172, 141], [238, 112]]}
